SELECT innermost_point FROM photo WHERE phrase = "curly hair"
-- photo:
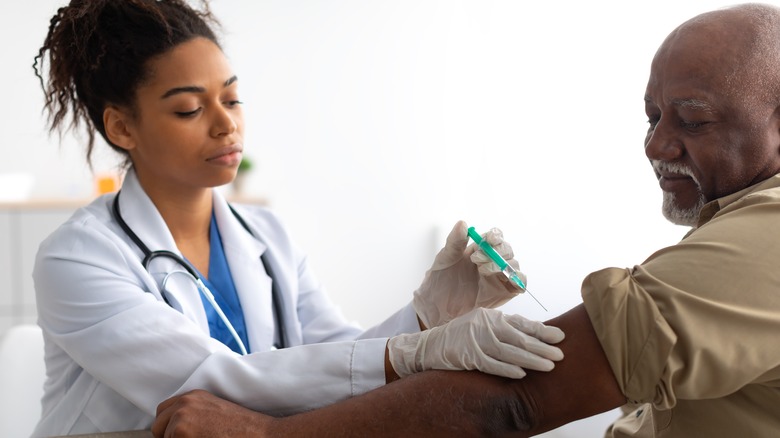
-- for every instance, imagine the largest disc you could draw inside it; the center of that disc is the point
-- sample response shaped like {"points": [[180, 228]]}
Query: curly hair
{"points": [[97, 53]]}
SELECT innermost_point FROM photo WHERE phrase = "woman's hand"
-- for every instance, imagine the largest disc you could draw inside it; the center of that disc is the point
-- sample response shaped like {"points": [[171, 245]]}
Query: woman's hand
{"points": [[483, 339], [462, 279]]}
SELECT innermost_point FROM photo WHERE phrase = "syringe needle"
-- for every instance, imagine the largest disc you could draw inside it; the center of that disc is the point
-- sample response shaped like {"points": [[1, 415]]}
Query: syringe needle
{"points": [[510, 272], [537, 301]]}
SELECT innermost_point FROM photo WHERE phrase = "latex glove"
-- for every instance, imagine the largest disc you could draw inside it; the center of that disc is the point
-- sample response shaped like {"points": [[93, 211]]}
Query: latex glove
{"points": [[483, 339], [463, 278]]}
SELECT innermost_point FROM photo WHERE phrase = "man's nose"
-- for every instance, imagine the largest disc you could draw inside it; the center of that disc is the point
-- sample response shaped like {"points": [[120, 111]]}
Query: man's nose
{"points": [[663, 143]]}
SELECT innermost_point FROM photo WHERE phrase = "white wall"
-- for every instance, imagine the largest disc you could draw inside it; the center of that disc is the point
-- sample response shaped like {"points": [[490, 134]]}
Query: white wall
{"points": [[377, 124]]}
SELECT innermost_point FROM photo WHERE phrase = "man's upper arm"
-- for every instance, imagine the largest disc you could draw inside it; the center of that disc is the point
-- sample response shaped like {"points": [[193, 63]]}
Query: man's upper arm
{"points": [[581, 385]]}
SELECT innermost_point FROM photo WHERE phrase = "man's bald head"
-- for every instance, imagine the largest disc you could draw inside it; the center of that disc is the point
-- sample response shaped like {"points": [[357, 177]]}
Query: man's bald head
{"points": [[741, 44]]}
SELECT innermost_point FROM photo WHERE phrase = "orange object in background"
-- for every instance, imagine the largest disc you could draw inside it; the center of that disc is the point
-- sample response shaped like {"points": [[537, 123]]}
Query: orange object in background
{"points": [[106, 183]]}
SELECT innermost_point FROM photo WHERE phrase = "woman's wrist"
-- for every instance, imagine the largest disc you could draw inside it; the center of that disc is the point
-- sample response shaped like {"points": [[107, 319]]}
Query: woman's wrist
{"points": [[390, 374]]}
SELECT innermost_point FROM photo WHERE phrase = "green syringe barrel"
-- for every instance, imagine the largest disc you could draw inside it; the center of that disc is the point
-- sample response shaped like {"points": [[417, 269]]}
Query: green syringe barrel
{"points": [[505, 267]]}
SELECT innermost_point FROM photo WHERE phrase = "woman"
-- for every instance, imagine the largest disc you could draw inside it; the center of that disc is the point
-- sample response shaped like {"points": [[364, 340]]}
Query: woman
{"points": [[164, 287]]}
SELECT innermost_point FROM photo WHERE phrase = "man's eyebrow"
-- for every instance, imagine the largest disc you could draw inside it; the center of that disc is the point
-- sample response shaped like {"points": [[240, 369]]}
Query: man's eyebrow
{"points": [[194, 88], [691, 103], [694, 104]]}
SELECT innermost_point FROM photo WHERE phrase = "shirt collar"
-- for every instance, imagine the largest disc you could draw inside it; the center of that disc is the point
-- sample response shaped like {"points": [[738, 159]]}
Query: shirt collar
{"points": [[711, 208]]}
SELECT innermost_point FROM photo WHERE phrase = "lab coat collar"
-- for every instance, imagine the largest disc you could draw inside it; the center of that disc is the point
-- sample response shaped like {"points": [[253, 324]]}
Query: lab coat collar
{"points": [[141, 215], [236, 240], [243, 250]]}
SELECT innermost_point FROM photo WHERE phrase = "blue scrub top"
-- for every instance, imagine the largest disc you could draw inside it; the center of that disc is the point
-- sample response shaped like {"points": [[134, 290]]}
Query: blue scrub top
{"points": [[220, 283]]}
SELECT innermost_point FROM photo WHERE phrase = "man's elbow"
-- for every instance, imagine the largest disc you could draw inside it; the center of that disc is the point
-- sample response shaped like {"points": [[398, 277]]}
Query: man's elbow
{"points": [[493, 406]]}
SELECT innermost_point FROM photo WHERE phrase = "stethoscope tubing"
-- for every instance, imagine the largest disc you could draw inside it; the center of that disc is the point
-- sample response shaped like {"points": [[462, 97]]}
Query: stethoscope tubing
{"points": [[150, 255]]}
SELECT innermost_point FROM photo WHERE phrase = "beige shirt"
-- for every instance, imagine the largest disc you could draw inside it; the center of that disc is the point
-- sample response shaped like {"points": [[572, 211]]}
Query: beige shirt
{"points": [[693, 333]]}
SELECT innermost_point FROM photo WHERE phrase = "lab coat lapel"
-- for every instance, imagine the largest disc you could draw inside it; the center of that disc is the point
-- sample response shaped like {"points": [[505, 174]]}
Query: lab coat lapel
{"points": [[141, 215], [243, 252]]}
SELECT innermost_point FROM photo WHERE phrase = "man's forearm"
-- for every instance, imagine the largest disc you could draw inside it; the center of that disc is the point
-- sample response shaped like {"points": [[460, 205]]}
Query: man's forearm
{"points": [[435, 403], [430, 404]]}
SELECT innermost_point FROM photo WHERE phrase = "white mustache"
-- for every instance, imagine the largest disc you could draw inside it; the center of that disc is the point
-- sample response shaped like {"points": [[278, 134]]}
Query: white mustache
{"points": [[662, 166]]}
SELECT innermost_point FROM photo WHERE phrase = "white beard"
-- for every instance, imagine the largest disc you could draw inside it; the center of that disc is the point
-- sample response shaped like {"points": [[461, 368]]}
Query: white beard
{"points": [[673, 213], [682, 216]]}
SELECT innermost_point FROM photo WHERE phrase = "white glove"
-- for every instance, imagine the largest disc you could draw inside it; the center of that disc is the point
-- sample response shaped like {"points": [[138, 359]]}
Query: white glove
{"points": [[483, 339], [463, 278]]}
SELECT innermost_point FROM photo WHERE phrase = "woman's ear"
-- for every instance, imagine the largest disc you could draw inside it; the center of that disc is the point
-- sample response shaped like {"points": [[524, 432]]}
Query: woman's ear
{"points": [[116, 122]]}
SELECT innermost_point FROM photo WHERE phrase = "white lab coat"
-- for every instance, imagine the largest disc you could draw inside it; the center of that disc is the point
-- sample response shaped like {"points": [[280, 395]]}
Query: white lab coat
{"points": [[115, 350]]}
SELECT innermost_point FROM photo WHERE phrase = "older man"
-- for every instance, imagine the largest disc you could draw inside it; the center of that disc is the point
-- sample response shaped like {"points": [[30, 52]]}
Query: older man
{"points": [[688, 339]]}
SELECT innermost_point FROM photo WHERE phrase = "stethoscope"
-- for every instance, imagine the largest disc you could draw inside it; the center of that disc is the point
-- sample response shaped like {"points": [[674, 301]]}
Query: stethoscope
{"points": [[191, 273]]}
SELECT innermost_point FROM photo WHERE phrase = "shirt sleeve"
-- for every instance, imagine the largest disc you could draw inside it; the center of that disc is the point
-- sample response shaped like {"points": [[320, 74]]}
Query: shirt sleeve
{"points": [[698, 319]]}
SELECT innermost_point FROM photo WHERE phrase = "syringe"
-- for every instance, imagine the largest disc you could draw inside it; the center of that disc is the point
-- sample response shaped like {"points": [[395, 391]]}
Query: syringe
{"points": [[505, 267]]}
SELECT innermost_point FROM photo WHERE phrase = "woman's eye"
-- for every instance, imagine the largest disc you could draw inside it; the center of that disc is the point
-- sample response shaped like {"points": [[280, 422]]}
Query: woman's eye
{"points": [[234, 103], [188, 113]]}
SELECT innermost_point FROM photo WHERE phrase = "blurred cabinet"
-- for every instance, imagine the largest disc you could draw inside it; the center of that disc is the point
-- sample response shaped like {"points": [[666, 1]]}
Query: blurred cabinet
{"points": [[23, 225]]}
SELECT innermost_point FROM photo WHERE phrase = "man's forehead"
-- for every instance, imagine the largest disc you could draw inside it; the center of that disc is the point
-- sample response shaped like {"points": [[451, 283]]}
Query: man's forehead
{"points": [[688, 83], [696, 72]]}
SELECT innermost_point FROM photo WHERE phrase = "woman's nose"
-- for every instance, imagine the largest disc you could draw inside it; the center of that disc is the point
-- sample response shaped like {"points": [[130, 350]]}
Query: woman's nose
{"points": [[224, 123]]}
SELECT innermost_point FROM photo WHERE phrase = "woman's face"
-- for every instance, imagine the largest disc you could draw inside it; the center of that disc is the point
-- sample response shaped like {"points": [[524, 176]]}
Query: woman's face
{"points": [[188, 129]]}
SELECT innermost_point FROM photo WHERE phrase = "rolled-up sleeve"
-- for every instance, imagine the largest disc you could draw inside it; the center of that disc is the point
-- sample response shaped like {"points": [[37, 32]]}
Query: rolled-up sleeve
{"points": [[697, 320], [632, 332]]}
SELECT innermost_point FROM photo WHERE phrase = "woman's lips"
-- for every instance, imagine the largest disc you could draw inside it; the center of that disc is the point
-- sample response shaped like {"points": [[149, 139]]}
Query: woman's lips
{"points": [[226, 157]]}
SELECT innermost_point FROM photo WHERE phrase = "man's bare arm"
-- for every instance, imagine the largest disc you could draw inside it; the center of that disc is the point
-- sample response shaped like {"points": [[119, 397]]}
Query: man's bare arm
{"points": [[438, 403], [581, 385]]}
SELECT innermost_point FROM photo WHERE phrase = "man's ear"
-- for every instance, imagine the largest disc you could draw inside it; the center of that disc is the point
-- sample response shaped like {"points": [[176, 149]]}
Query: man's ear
{"points": [[116, 121]]}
